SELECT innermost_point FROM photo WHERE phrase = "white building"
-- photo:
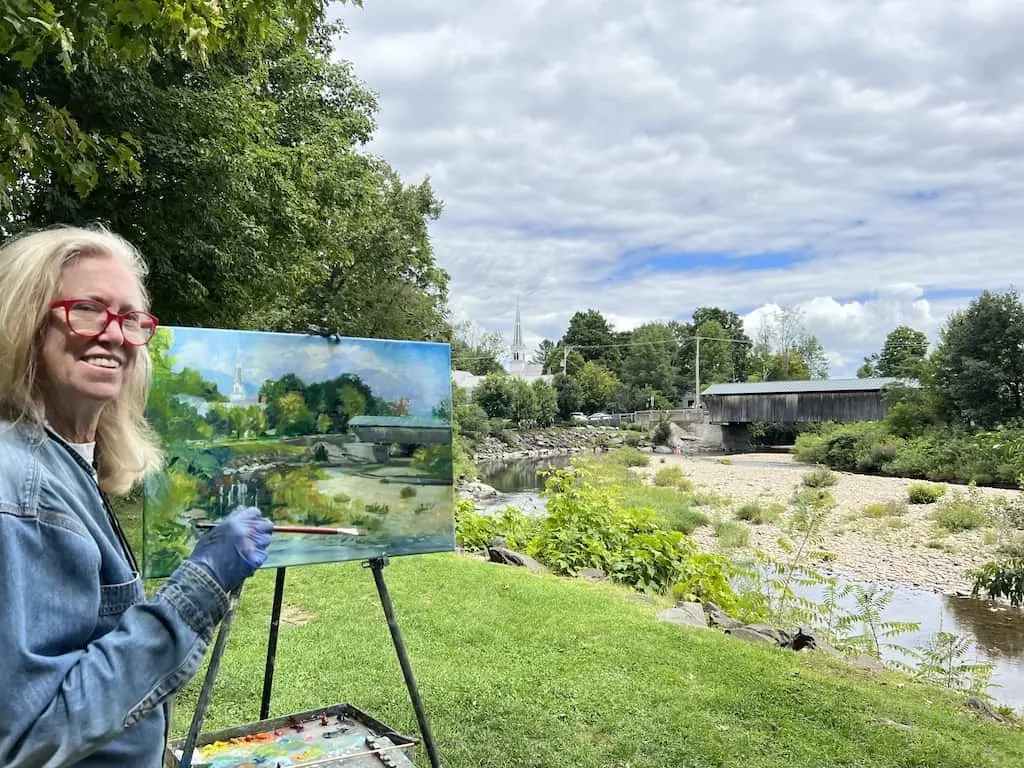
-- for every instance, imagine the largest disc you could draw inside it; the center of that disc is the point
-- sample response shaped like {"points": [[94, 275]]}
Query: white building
{"points": [[516, 364]]}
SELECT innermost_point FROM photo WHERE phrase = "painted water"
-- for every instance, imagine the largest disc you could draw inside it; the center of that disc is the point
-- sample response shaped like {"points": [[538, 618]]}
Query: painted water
{"points": [[995, 630]]}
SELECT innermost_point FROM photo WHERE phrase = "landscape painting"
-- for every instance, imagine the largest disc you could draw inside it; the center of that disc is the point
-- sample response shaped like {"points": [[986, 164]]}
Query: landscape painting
{"points": [[318, 432]]}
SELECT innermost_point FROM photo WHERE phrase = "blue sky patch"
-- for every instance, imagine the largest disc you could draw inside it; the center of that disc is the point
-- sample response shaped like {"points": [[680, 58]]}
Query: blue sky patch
{"points": [[645, 261]]}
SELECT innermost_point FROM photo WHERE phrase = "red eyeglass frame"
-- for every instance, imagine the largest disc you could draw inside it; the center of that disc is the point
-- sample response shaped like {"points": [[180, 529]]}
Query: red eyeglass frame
{"points": [[66, 304]]}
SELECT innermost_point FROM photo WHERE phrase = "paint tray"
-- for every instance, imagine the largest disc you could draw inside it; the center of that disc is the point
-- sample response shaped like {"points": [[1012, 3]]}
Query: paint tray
{"points": [[338, 736]]}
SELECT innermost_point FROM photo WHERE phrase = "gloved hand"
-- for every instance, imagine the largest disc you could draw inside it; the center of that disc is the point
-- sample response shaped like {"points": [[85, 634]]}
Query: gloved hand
{"points": [[233, 549]]}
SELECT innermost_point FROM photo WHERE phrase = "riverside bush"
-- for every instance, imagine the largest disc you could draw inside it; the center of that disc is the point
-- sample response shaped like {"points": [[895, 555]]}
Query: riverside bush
{"points": [[923, 493], [941, 455], [672, 477], [962, 513]]}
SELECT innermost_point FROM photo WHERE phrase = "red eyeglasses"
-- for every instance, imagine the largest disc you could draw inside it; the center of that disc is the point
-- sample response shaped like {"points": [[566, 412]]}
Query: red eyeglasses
{"points": [[89, 318]]}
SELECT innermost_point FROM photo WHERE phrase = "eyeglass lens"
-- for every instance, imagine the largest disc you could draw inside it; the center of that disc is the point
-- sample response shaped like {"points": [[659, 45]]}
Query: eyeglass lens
{"points": [[89, 318]]}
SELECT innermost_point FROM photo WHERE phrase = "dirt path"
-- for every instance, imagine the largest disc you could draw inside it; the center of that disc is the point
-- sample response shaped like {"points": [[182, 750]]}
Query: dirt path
{"points": [[908, 548]]}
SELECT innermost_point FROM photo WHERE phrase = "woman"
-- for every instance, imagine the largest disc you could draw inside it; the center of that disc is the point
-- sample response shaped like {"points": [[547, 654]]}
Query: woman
{"points": [[88, 664]]}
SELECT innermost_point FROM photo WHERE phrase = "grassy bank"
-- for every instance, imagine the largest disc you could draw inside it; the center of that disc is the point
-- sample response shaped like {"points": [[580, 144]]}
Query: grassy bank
{"points": [[517, 669]]}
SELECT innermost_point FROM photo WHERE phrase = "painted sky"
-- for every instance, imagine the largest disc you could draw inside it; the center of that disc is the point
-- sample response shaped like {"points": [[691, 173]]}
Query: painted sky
{"points": [[393, 369], [858, 160]]}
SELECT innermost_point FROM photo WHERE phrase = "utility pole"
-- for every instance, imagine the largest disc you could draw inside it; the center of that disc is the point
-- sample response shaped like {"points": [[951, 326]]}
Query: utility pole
{"points": [[696, 369]]}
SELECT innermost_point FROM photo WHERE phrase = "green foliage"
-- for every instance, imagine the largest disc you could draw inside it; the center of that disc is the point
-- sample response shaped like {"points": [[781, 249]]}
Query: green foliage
{"points": [[922, 493], [672, 477], [707, 578], [271, 219], [1003, 579], [904, 352], [630, 457], [42, 136], [475, 532], [941, 661], [941, 455], [884, 509], [661, 433], [731, 534], [979, 370], [962, 513], [820, 477], [587, 527], [757, 514]]}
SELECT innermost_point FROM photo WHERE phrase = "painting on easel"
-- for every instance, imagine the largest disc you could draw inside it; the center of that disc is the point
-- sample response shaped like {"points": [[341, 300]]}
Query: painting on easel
{"points": [[351, 434]]}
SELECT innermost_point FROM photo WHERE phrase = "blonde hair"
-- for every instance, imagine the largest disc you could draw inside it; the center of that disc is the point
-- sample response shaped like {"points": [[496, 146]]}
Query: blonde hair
{"points": [[30, 275]]}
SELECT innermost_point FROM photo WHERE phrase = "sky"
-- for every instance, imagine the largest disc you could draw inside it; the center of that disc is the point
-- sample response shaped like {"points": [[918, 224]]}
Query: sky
{"points": [[418, 371], [859, 161]]}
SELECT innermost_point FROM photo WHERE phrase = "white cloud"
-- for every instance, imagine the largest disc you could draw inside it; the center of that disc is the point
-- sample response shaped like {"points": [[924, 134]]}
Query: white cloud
{"points": [[562, 134]]}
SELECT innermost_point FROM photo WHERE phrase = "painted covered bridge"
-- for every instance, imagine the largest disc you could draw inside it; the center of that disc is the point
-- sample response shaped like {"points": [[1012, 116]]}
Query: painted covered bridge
{"points": [[401, 429], [815, 400]]}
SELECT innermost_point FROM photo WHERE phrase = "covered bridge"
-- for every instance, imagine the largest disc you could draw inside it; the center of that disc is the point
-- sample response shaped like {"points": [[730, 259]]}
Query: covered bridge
{"points": [[815, 400]]}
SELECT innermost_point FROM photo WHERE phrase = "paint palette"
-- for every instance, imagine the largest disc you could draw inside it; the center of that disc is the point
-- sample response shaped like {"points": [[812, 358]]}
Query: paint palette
{"points": [[333, 737]]}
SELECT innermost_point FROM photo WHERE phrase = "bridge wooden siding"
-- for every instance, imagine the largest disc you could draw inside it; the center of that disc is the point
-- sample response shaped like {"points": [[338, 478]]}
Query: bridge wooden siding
{"points": [[840, 400]]}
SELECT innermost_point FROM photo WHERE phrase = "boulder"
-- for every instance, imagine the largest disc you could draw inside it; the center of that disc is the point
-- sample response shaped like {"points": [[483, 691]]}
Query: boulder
{"points": [[684, 614], [750, 635], [867, 663], [982, 706], [508, 557], [592, 574], [719, 618]]}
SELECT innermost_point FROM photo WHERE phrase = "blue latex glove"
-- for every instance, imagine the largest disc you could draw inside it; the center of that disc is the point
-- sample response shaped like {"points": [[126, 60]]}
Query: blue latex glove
{"points": [[233, 549]]}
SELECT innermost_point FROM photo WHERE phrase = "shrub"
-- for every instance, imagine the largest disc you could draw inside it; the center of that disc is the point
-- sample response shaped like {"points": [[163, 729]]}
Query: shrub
{"points": [[924, 493], [672, 477], [632, 440], [706, 578], [630, 457], [475, 532], [885, 509], [586, 528], [725, 461], [754, 513], [810, 449], [1000, 579], [686, 519], [407, 492], [961, 513], [731, 534], [661, 433], [820, 477]]}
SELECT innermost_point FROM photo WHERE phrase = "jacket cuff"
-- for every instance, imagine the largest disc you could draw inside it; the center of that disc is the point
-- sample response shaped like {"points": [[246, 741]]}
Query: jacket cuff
{"points": [[197, 596]]}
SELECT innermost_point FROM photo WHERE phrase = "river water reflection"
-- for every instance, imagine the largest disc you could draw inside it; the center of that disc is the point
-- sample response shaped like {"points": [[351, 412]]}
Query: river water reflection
{"points": [[995, 631]]}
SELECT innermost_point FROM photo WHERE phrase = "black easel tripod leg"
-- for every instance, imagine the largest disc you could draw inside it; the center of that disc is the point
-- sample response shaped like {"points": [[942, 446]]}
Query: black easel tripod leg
{"points": [[211, 676], [275, 624], [377, 565]]}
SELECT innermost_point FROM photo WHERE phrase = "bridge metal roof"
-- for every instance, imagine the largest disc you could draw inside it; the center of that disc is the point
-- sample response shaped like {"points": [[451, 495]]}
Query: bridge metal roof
{"points": [[812, 385]]}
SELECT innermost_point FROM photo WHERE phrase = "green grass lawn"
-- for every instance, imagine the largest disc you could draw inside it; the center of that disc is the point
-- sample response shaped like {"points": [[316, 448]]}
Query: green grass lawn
{"points": [[521, 670]]}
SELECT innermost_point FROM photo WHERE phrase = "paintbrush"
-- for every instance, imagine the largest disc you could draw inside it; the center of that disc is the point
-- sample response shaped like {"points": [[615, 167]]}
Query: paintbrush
{"points": [[307, 529]]}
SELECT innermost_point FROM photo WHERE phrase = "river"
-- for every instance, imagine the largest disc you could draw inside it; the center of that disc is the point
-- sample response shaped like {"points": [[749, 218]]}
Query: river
{"points": [[994, 630]]}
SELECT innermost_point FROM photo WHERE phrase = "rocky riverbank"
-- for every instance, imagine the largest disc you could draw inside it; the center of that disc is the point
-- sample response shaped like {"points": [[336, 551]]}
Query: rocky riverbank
{"points": [[905, 548], [554, 441]]}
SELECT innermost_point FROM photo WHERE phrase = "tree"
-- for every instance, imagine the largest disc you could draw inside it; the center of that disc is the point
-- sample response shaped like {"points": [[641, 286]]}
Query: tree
{"points": [[598, 386], [591, 335], [476, 351], [785, 351], [732, 324], [271, 219], [979, 362], [543, 354], [546, 399], [570, 394], [649, 359], [902, 354], [494, 395], [41, 136]]}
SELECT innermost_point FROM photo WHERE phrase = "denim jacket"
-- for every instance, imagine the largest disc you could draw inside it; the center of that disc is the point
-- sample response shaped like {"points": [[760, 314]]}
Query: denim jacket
{"points": [[87, 663]]}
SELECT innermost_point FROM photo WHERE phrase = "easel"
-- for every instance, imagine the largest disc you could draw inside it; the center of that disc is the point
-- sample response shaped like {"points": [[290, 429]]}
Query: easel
{"points": [[376, 565]]}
